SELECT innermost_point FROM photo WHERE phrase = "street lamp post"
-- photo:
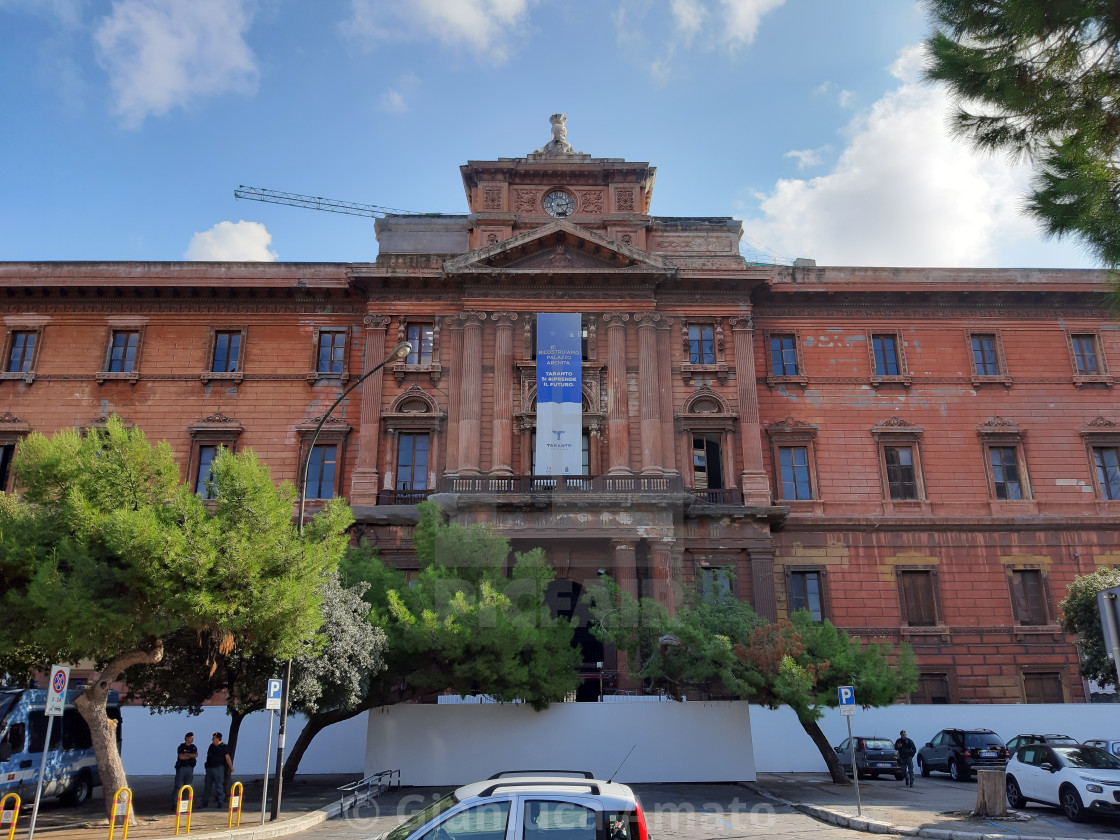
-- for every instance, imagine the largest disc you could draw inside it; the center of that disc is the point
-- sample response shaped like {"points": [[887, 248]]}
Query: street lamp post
{"points": [[397, 353]]}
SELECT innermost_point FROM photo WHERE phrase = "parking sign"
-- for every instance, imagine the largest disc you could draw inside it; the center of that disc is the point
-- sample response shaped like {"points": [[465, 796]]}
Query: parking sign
{"points": [[56, 691], [847, 695], [272, 698]]}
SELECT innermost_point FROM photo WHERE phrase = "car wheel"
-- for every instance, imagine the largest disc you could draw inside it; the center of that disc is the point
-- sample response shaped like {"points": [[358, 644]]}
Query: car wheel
{"points": [[1071, 804], [1014, 795], [80, 792], [922, 768], [958, 773]]}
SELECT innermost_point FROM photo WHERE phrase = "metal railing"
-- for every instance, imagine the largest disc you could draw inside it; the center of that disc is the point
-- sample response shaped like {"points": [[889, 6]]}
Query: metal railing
{"points": [[369, 788], [726, 496], [563, 484], [402, 497]]}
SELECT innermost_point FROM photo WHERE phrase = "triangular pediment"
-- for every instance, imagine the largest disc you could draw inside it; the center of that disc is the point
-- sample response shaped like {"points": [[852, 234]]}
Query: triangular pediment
{"points": [[559, 247]]}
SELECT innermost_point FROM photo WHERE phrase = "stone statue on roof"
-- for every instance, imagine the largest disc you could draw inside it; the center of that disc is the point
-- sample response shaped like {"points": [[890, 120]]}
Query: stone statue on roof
{"points": [[559, 144]]}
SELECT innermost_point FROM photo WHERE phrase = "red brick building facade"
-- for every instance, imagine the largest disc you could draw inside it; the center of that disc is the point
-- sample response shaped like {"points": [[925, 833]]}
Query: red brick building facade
{"points": [[926, 455]]}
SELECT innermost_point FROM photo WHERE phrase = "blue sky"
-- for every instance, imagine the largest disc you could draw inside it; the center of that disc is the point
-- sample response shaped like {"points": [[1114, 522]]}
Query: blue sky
{"points": [[128, 124]]}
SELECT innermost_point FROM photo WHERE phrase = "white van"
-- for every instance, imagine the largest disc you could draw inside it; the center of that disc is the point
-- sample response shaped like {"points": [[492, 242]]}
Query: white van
{"points": [[71, 769]]}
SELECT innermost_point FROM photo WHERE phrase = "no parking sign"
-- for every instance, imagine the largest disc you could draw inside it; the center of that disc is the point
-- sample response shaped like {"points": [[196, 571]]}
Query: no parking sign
{"points": [[56, 692]]}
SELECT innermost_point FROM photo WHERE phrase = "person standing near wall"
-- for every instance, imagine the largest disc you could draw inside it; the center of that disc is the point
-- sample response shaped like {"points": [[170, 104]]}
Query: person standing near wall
{"points": [[185, 758], [906, 752], [217, 760]]}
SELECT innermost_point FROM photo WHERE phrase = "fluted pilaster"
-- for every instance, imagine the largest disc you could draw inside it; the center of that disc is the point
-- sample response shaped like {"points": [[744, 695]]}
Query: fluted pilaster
{"points": [[618, 399], [649, 392], [470, 394], [501, 457], [363, 485], [755, 483]]}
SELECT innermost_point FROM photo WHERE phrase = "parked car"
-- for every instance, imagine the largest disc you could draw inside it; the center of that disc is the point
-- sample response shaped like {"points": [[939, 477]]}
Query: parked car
{"points": [[1111, 745], [1079, 779], [1023, 740], [960, 751], [537, 804], [873, 756]]}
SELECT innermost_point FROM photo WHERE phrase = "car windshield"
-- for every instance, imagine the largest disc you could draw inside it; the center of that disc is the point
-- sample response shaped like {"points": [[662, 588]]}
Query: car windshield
{"points": [[982, 740], [421, 818], [7, 700], [1061, 739], [1088, 758], [879, 744]]}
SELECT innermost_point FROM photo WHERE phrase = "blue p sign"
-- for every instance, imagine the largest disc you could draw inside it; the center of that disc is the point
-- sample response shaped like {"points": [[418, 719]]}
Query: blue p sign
{"points": [[272, 698], [847, 695]]}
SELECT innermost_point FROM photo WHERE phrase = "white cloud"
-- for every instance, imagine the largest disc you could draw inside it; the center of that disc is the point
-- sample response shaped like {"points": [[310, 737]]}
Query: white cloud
{"points": [[232, 242], [688, 16], [395, 99], [162, 54], [806, 157], [740, 19], [902, 192], [845, 98], [485, 28]]}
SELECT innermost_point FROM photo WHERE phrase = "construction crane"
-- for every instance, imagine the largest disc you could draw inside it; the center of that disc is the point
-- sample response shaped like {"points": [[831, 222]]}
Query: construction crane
{"points": [[314, 202]]}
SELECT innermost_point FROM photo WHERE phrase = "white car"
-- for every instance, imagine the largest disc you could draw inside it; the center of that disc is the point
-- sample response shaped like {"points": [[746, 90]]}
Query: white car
{"points": [[530, 805], [1079, 779], [1111, 745]]}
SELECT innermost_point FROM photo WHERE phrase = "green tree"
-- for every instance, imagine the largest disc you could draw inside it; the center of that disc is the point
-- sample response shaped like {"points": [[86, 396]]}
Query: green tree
{"points": [[106, 554], [1040, 79], [1081, 619], [463, 625], [719, 646]]}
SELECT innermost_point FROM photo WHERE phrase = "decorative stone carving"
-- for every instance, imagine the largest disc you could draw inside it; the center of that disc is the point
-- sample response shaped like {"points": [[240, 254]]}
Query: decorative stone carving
{"points": [[1098, 423], [591, 201], [627, 239], [491, 239], [8, 418], [559, 144], [524, 201], [373, 322], [625, 199], [790, 424], [492, 198]]}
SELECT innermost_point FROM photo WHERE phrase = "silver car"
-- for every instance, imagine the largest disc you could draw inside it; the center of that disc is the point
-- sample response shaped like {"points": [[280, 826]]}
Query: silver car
{"points": [[530, 805]]}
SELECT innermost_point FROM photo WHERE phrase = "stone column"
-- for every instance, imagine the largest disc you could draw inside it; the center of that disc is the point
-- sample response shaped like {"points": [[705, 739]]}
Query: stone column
{"points": [[755, 483], [470, 394], [665, 386], [762, 582], [649, 391], [454, 356], [502, 435], [626, 565], [663, 585], [618, 399], [363, 484]]}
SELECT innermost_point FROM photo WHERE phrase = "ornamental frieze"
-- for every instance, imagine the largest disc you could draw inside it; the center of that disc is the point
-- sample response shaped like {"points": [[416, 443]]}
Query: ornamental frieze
{"points": [[525, 201]]}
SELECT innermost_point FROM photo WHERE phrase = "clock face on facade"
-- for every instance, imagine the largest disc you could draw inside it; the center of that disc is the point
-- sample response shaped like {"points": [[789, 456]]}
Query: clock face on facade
{"points": [[559, 204]]}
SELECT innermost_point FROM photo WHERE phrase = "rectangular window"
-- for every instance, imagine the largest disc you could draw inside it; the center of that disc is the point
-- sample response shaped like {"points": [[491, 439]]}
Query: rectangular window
{"points": [[701, 345], [985, 356], [1108, 471], [902, 480], [1028, 597], [1043, 688], [932, 688], [7, 451], [203, 481], [1005, 472], [783, 355], [22, 351], [707, 462], [421, 337], [795, 472], [227, 352], [412, 462], [321, 471], [805, 593], [122, 352], [332, 349], [1085, 354], [917, 593], [885, 348], [715, 584]]}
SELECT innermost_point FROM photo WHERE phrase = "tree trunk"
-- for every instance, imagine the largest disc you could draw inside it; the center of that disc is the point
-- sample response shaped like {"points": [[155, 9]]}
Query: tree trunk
{"points": [[826, 750], [91, 705], [235, 720], [315, 724], [991, 793]]}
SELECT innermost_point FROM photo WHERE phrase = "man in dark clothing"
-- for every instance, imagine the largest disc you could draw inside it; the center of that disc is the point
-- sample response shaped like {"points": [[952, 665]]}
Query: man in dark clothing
{"points": [[217, 760], [906, 752], [185, 758]]}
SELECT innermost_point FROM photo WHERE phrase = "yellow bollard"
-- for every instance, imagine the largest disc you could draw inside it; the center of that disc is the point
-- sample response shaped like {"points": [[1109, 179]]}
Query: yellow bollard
{"points": [[117, 799], [236, 794], [182, 805], [9, 815]]}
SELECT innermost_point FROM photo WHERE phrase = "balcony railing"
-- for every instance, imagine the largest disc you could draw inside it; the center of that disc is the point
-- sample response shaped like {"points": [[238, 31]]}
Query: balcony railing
{"points": [[728, 496], [563, 484], [402, 497]]}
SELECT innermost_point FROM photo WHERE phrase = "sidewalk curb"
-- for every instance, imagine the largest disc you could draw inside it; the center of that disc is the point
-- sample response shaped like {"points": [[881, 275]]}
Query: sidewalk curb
{"points": [[842, 820], [279, 828]]}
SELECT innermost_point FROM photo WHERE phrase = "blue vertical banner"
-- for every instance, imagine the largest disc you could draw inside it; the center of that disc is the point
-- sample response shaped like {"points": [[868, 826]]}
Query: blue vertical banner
{"points": [[559, 394]]}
